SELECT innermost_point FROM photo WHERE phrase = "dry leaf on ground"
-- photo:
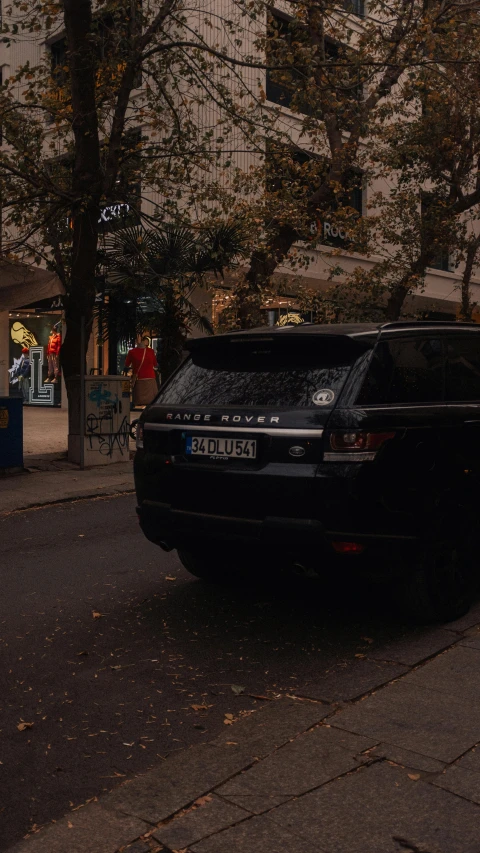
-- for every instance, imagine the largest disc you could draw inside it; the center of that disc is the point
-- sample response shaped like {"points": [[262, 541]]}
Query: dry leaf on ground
{"points": [[22, 726]]}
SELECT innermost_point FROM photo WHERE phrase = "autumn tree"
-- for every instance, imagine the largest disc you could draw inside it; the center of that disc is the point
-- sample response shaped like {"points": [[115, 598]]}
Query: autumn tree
{"points": [[127, 98], [364, 94]]}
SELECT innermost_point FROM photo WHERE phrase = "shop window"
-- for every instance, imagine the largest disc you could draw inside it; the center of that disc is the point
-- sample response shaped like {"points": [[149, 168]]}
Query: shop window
{"points": [[463, 369]]}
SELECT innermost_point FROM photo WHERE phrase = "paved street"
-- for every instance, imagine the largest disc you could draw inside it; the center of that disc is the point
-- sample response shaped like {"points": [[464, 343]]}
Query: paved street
{"points": [[113, 657]]}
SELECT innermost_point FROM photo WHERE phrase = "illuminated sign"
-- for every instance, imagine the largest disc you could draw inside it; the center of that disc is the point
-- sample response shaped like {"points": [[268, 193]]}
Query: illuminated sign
{"points": [[115, 211], [40, 394]]}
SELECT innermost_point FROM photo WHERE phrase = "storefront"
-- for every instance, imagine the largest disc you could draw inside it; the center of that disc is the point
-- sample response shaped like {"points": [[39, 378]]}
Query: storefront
{"points": [[30, 326], [34, 356]]}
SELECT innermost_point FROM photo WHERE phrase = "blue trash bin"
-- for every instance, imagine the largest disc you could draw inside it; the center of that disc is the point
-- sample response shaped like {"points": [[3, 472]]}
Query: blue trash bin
{"points": [[11, 433]]}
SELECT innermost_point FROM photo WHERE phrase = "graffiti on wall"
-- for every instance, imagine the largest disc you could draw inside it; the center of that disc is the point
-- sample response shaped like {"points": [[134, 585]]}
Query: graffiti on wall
{"points": [[106, 425]]}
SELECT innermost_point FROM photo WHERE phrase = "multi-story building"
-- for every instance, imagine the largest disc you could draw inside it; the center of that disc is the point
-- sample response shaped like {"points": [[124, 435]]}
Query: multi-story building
{"points": [[440, 295]]}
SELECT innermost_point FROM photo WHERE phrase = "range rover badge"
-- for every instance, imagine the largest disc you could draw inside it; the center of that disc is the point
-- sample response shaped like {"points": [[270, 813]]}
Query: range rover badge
{"points": [[297, 451], [323, 397]]}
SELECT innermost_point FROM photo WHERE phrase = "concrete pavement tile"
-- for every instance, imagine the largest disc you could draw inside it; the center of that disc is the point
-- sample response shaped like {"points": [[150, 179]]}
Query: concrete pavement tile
{"points": [[470, 761], [406, 758], [275, 724], [180, 780], [414, 646], [351, 681], [465, 783], [431, 723], [455, 673], [473, 643], [309, 761], [198, 823], [94, 829], [471, 638], [257, 835], [380, 810]]}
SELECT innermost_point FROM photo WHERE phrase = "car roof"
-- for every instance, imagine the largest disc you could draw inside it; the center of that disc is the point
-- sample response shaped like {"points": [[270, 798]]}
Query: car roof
{"points": [[361, 332]]}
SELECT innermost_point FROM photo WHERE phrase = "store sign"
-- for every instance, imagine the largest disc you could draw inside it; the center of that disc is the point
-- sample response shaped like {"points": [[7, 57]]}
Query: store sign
{"points": [[330, 232], [40, 394], [113, 212], [335, 231]]}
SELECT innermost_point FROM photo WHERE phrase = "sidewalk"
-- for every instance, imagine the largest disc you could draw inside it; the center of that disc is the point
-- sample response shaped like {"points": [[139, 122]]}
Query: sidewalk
{"points": [[57, 480], [48, 476], [375, 758]]}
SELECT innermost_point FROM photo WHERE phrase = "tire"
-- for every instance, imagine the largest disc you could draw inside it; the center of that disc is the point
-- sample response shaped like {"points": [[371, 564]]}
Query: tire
{"points": [[444, 581]]}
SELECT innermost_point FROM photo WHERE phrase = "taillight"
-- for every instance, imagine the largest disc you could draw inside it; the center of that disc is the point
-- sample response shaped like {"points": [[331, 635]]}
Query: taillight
{"points": [[139, 436], [355, 445], [348, 547]]}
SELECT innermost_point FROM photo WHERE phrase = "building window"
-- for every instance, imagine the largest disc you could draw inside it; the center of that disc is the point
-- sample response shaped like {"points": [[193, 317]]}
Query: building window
{"points": [[58, 54], [441, 258], [294, 174], [280, 85], [291, 87], [356, 7]]}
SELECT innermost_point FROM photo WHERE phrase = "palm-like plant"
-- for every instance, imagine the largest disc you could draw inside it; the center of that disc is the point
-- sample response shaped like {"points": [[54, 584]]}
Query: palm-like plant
{"points": [[160, 270]]}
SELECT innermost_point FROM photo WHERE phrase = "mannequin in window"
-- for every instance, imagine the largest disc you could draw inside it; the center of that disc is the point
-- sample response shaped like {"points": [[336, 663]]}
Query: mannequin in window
{"points": [[143, 362], [53, 355], [24, 375]]}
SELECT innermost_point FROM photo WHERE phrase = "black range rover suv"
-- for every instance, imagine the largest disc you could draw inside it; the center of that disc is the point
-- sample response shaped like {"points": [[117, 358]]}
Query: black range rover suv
{"points": [[357, 445]]}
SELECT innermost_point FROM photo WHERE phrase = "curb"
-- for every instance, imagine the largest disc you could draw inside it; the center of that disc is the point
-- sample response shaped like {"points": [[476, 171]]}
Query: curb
{"points": [[132, 812], [70, 499]]}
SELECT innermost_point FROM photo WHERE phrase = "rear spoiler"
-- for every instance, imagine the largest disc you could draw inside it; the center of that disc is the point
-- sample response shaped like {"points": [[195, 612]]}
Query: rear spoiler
{"points": [[229, 342]]}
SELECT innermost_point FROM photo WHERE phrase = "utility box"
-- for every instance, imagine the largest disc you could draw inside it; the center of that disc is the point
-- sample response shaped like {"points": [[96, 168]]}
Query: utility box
{"points": [[105, 430], [11, 434]]}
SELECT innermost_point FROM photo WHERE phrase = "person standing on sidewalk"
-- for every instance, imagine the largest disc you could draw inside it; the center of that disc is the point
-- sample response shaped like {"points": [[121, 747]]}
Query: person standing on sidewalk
{"points": [[143, 362]]}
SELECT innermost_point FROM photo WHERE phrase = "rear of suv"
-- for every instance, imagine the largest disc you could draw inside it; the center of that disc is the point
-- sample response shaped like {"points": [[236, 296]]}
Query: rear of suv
{"points": [[352, 445]]}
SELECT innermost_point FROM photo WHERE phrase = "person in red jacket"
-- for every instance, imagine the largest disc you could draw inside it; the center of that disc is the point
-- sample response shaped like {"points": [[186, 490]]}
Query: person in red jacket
{"points": [[53, 355], [143, 362]]}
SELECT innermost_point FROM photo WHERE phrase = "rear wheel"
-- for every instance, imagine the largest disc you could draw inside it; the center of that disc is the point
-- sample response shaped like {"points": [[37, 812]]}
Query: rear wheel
{"points": [[445, 579]]}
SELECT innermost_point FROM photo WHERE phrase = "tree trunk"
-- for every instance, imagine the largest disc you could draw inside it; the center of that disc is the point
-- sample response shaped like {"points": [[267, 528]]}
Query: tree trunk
{"points": [[466, 306], [406, 284], [87, 190], [173, 335], [395, 302]]}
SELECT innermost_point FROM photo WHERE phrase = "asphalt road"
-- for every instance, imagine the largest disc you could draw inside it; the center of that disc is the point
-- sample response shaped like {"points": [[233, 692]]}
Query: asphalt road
{"points": [[113, 656]]}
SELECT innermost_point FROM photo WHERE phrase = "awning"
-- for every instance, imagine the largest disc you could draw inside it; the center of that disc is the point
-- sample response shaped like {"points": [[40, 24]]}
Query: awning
{"points": [[22, 285]]}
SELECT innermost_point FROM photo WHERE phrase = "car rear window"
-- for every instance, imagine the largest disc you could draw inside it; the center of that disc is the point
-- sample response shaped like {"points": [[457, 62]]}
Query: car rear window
{"points": [[261, 374], [404, 371]]}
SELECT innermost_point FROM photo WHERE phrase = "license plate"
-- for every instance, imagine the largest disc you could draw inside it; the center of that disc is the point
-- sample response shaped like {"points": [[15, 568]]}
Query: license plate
{"points": [[235, 448]]}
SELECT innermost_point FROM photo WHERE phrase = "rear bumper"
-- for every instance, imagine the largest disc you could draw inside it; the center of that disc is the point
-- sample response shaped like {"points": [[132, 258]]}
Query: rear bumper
{"points": [[165, 525]]}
